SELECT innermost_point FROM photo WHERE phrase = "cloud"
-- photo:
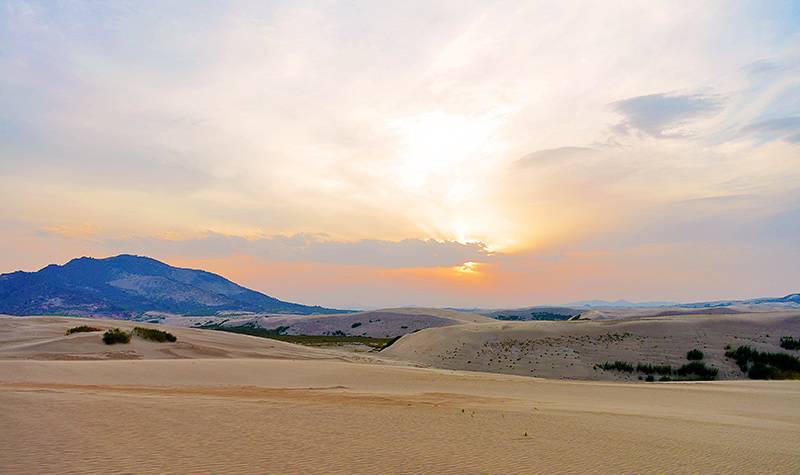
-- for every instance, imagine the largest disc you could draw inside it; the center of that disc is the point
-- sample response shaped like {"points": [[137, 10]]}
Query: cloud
{"points": [[555, 155], [665, 115], [319, 248], [786, 128]]}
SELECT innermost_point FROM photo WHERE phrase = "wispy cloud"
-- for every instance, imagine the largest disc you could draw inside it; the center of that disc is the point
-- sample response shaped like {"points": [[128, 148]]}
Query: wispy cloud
{"points": [[666, 115]]}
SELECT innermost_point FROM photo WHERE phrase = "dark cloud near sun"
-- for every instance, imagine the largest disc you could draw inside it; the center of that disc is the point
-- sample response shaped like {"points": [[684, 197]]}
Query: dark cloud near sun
{"points": [[318, 248]]}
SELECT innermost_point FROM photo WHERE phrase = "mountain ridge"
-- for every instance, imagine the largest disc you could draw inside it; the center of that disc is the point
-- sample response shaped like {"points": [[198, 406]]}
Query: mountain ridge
{"points": [[128, 285]]}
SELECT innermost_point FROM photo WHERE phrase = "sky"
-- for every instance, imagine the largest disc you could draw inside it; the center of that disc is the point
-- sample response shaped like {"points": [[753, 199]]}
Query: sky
{"points": [[434, 153]]}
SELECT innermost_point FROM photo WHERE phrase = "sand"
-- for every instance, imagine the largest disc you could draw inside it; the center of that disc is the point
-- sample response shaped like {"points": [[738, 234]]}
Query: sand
{"points": [[385, 323], [571, 349], [324, 412]]}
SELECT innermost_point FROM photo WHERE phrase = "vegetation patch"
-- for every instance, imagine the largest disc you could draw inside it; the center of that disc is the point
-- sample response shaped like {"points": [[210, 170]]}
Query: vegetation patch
{"points": [[355, 325], [154, 335], [376, 344], [763, 365], [116, 335], [648, 368], [82, 329], [694, 355], [790, 343], [617, 366], [698, 370]]}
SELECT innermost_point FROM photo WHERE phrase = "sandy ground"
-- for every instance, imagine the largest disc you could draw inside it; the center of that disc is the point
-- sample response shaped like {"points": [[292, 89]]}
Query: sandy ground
{"points": [[318, 411], [571, 349], [384, 323]]}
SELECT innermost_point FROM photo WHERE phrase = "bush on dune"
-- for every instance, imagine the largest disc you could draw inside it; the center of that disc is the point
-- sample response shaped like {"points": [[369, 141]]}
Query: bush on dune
{"points": [[763, 365], [648, 368], [618, 366], [790, 343], [694, 355], [116, 335], [154, 335], [82, 329], [699, 370]]}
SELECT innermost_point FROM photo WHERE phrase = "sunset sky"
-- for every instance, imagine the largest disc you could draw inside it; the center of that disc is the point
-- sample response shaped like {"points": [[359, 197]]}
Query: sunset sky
{"points": [[365, 154]]}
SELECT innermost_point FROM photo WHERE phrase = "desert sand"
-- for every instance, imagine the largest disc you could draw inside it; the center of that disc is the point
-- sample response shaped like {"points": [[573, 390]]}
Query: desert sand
{"points": [[228, 403], [384, 323], [570, 349]]}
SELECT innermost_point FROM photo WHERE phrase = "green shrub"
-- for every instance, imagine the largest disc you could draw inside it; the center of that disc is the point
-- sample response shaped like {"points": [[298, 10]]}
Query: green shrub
{"points": [[694, 355], [648, 368], [355, 325], [650, 378], [618, 366], [154, 335], [116, 335], [790, 343], [665, 378], [82, 329], [763, 365], [699, 370]]}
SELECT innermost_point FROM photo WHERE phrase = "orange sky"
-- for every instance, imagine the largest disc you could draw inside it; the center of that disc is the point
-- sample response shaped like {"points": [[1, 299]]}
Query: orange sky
{"points": [[355, 155]]}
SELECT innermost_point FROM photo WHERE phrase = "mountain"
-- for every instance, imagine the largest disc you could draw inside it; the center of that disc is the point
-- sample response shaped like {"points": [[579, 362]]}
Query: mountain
{"points": [[127, 286], [791, 299], [618, 304]]}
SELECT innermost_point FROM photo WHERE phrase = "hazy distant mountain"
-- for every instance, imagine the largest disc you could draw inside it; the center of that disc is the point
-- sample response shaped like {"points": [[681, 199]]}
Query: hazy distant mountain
{"points": [[126, 285], [791, 299], [619, 304]]}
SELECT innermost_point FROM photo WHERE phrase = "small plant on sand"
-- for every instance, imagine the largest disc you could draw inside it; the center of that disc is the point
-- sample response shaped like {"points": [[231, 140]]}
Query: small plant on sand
{"points": [[355, 325], [154, 335], [82, 329], [116, 335], [694, 355], [790, 343], [650, 378]]}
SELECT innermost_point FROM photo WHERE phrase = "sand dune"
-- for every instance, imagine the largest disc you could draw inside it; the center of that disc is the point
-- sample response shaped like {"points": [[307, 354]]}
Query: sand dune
{"points": [[571, 349], [384, 323], [231, 403], [44, 338]]}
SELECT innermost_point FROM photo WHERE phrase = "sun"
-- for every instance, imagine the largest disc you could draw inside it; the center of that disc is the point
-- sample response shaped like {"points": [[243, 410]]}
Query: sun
{"points": [[468, 267], [437, 143]]}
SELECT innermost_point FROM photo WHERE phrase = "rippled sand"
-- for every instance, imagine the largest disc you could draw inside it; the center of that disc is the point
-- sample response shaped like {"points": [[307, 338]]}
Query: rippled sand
{"points": [[327, 415]]}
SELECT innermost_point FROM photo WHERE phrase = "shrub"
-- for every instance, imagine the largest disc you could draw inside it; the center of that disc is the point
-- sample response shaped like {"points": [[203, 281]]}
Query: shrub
{"points": [[698, 369], [355, 325], [763, 365], [116, 335], [790, 343], [82, 329], [154, 335], [665, 378], [650, 378], [694, 355], [618, 366], [648, 368]]}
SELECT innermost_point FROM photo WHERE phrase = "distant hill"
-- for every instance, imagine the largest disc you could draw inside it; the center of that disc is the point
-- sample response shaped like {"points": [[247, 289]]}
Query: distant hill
{"points": [[128, 286], [791, 299]]}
